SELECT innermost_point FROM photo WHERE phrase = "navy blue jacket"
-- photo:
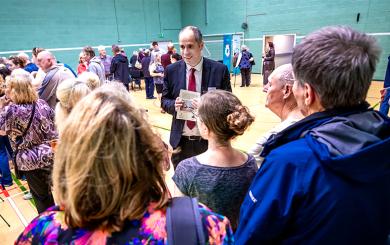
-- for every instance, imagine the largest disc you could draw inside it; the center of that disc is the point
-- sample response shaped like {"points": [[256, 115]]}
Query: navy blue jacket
{"points": [[325, 180], [120, 68], [214, 75], [145, 66]]}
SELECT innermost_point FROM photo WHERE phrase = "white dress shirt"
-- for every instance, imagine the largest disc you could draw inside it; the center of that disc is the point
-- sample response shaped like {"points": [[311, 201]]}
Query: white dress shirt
{"points": [[198, 79]]}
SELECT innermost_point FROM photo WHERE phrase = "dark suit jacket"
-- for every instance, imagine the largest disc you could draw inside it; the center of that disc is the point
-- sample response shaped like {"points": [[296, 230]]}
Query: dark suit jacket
{"points": [[214, 74]]}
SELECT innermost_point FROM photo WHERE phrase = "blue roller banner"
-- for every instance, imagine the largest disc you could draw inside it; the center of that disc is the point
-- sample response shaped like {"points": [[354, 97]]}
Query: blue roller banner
{"points": [[227, 48]]}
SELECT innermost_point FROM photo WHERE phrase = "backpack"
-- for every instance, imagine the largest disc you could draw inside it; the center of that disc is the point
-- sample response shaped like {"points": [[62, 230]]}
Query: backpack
{"points": [[184, 224]]}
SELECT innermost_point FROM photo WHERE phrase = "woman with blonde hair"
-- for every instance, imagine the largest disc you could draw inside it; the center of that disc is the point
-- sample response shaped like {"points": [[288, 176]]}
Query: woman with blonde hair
{"points": [[219, 177], [82, 66], [110, 187], [29, 123], [90, 78], [69, 92]]}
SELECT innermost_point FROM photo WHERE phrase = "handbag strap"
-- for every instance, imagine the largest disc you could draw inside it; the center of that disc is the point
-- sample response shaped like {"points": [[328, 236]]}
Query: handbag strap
{"points": [[184, 223], [18, 142], [47, 79]]}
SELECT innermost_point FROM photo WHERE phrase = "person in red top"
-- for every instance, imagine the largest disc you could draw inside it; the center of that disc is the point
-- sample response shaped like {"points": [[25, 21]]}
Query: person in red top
{"points": [[166, 58], [82, 67]]}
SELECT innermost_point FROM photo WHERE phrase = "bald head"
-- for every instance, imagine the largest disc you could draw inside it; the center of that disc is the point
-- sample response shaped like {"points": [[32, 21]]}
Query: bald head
{"points": [[188, 30], [46, 60], [170, 46], [280, 98], [283, 74]]}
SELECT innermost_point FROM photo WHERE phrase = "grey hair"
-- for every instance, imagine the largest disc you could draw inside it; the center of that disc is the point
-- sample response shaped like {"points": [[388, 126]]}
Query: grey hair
{"points": [[46, 53], [339, 63], [24, 56], [284, 74], [197, 33]]}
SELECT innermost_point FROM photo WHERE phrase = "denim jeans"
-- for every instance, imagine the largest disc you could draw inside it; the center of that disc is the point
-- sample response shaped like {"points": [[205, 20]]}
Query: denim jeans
{"points": [[384, 108], [386, 84], [6, 178], [149, 87]]}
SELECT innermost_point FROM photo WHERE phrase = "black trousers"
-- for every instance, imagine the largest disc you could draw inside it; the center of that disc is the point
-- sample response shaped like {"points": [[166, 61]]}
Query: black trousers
{"points": [[188, 148], [245, 77], [39, 182]]}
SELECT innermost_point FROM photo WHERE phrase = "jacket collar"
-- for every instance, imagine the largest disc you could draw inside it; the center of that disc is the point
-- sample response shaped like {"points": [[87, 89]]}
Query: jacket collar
{"points": [[298, 129]]}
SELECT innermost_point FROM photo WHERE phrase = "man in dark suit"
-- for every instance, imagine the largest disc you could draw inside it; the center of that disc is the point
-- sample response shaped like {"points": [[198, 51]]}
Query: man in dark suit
{"points": [[193, 73]]}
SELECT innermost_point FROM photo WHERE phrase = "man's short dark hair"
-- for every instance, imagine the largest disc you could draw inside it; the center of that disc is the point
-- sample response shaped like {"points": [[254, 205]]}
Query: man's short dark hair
{"points": [[4, 71], [339, 63], [197, 33], [36, 51], [176, 56], [17, 61], [154, 43], [89, 50], [115, 48]]}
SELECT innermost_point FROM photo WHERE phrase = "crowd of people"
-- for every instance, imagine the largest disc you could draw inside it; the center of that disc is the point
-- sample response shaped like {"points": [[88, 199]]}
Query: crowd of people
{"points": [[98, 171]]}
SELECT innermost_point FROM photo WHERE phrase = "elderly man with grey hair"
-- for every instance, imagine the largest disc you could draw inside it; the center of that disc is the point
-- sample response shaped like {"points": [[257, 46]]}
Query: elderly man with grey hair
{"points": [[106, 61], [325, 179], [281, 101]]}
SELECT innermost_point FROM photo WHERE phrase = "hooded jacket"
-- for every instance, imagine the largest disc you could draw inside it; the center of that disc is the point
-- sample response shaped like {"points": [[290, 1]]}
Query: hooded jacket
{"points": [[96, 66], [325, 180], [120, 68]]}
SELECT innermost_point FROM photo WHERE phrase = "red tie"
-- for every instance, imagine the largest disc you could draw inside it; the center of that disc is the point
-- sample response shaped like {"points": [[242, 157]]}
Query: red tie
{"points": [[191, 87]]}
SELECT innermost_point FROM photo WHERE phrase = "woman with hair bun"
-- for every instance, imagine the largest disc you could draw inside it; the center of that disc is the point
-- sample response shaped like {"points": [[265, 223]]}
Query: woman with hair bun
{"points": [[219, 177], [69, 92]]}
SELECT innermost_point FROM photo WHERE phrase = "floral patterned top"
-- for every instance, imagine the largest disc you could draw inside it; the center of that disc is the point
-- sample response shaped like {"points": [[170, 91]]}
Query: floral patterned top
{"points": [[34, 151], [50, 228]]}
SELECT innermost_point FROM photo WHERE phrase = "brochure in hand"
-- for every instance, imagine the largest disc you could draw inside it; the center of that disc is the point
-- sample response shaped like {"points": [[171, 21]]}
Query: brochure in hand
{"points": [[187, 112]]}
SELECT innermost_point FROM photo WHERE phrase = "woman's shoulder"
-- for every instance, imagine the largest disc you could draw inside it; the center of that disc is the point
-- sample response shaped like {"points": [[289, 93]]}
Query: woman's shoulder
{"points": [[218, 226], [251, 161], [44, 226], [43, 106], [42, 103], [14, 109], [51, 225]]}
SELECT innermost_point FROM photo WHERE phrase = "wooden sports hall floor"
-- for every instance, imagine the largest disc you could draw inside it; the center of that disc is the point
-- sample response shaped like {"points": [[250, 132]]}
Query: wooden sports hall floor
{"points": [[252, 97]]}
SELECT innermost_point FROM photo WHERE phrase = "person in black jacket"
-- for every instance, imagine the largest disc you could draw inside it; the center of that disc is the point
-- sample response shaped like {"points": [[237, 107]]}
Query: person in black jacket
{"points": [[120, 66], [135, 69], [149, 84]]}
